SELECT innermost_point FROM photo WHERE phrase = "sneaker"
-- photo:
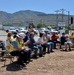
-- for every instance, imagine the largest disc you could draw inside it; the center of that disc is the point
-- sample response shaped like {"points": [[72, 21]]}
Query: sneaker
{"points": [[65, 50], [48, 52], [69, 49], [52, 51], [35, 57], [40, 55], [23, 65], [30, 60]]}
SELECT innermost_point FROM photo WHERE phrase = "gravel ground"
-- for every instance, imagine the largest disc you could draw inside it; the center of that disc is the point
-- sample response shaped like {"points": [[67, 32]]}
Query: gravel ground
{"points": [[57, 63]]}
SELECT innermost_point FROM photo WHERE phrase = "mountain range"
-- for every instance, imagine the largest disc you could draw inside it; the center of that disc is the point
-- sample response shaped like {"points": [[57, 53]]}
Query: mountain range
{"points": [[28, 16]]}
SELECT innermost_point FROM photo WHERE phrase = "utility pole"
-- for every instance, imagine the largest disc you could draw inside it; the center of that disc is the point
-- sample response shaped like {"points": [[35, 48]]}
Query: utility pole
{"points": [[62, 14], [68, 16], [57, 17], [68, 20]]}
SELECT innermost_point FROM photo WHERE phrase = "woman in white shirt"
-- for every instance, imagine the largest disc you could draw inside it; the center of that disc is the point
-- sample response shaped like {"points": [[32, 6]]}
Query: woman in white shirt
{"points": [[42, 42]]}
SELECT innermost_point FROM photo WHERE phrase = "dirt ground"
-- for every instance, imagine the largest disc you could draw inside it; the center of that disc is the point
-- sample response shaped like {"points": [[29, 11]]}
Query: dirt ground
{"points": [[57, 63]]}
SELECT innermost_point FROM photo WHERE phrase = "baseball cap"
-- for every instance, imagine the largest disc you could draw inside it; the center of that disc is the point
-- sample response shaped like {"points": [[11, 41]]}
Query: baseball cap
{"points": [[42, 32], [21, 35]]}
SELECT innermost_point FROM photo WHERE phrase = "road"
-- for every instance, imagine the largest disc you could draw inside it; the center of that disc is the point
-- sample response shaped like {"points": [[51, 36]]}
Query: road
{"points": [[3, 35]]}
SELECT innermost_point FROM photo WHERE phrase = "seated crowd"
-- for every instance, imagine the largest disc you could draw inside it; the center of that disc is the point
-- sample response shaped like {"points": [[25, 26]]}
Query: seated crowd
{"points": [[22, 45]]}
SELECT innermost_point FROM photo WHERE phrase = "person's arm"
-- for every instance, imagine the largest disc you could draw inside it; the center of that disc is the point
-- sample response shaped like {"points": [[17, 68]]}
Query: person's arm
{"points": [[38, 43], [27, 42], [45, 39]]}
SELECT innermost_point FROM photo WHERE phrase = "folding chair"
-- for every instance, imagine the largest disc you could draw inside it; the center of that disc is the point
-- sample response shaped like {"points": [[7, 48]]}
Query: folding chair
{"points": [[6, 56]]}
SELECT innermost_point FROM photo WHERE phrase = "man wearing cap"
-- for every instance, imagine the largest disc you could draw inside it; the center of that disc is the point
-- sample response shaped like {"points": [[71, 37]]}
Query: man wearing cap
{"points": [[34, 46], [49, 42], [16, 49], [27, 38]]}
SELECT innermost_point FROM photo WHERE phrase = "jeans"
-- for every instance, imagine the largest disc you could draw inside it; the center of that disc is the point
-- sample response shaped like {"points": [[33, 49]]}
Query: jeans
{"points": [[3, 47], [35, 48], [52, 45], [48, 45], [40, 49]]}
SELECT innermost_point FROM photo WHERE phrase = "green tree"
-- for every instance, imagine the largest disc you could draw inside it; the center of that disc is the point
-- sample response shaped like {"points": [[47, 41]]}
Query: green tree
{"points": [[39, 25]]}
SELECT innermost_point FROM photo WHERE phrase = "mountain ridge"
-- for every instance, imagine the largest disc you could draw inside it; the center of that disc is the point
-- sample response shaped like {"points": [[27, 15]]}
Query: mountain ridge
{"points": [[27, 16]]}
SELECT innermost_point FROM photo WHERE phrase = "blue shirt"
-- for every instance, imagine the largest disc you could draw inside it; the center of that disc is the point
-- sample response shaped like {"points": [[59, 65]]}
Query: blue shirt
{"points": [[63, 40], [26, 38], [14, 44]]}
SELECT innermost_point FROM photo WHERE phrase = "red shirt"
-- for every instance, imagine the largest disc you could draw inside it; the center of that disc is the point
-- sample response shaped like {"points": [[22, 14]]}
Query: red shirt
{"points": [[54, 37]]}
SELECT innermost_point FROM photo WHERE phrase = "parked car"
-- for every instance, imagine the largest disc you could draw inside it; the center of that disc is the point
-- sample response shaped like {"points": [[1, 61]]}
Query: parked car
{"points": [[53, 30], [23, 30], [36, 31], [11, 29], [43, 30], [17, 29]]}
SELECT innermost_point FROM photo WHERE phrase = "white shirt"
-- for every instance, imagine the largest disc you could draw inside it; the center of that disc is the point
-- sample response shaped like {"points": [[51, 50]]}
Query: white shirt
{"points": [[40, 40]]}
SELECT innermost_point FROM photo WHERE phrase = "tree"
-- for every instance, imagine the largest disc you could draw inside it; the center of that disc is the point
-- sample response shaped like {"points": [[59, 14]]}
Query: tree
{"points": [[39, 25]]}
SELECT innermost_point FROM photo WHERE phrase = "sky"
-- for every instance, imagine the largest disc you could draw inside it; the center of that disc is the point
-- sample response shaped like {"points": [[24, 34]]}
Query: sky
{"points": [[46, 6]]}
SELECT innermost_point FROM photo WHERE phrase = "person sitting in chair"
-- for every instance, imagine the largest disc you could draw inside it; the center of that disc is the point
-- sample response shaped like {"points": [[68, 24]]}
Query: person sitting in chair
{"points": [[2, 45], [17, 48], [63, 39]]}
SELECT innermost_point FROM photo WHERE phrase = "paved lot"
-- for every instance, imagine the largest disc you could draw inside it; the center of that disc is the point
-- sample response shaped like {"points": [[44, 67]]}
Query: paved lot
{"points": [[3, 35]]}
